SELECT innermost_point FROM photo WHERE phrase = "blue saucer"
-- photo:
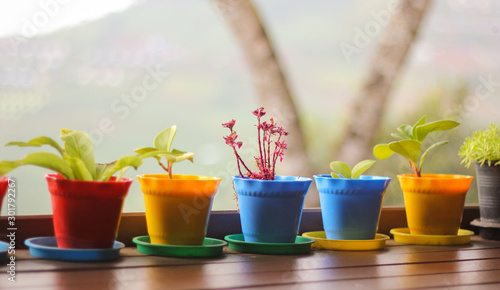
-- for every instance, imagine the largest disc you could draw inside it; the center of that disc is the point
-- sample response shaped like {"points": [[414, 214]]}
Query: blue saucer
{"points": [[3, 251], [46, 248]]}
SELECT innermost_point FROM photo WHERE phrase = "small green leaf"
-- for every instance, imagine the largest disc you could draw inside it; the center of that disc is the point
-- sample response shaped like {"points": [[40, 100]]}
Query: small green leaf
{"points": [[422, 131], [382, 151], [341, 168], [100, 168], [146, 152], [405, 131], [409, 149], [414, 128], [80, 171], [79, 145], [8, 166], [177, 156], [335, 175], [361, 167], [50, 161], [398, 136], [38, 142], [121, 165], [428, 150], [164, 139]]}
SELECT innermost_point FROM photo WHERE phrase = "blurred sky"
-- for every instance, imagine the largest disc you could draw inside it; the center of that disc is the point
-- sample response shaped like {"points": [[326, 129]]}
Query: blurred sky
{"points": [[15, 15]]}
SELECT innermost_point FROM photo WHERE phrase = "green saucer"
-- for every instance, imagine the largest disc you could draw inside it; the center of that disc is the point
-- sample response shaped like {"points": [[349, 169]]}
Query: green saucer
{"points": [[237, 242], [210, 248]]}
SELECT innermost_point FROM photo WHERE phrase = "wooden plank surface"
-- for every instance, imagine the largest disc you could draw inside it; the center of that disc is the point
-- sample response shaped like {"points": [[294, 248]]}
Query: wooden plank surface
{"points": [[398, 266]]}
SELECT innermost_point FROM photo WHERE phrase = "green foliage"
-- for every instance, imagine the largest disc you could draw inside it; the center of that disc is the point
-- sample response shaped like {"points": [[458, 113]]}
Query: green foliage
{"points": [[482, 146], [76, 160], [410, 142], [162, 144], [342, 170]]}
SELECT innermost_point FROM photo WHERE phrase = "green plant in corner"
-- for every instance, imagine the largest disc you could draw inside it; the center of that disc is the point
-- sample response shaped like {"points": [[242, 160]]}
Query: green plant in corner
{"points": [[481, 147], [76, 160], [162, 149], [410, 140], [342, 170]]}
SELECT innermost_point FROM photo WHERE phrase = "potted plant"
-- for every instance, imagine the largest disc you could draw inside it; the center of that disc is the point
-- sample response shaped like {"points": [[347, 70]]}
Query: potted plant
{"points": [[351, 202], [87, 200], [483, 149], [177, 206], [434, 202], [270, 205]]}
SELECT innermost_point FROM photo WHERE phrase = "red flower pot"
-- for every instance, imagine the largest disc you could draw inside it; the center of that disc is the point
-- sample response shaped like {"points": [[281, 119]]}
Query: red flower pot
{"points": [[4, 184], [86, 214]]}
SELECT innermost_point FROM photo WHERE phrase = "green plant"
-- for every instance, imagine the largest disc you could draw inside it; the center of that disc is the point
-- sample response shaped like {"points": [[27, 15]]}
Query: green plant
{"points": [[162, 149], [76, 160], [482, 146], [342, 170], [410, 142]]}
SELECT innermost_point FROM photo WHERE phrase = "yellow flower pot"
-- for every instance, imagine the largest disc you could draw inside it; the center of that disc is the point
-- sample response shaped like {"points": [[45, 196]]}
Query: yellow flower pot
{"points": [[177, 209], [434, 202]]}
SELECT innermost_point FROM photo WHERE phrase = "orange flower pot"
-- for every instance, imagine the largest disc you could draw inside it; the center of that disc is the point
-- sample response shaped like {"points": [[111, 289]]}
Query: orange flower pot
{"points": [[86, 214], [434, 202], [177, 209]]}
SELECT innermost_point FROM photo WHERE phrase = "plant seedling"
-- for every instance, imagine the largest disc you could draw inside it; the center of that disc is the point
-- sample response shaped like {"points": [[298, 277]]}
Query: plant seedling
{"points": [[76, 160], [481, 147], [410, 142], [266, 161], [162, 149], [342, 170]]}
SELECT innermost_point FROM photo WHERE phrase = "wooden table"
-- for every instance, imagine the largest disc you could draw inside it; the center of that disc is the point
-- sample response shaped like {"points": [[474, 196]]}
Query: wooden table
{"points": [[398, 266]]}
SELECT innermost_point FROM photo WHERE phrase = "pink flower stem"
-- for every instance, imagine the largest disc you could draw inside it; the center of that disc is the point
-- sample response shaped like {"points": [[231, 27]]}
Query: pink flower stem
{"points": [[275, 156], [258, 136]]}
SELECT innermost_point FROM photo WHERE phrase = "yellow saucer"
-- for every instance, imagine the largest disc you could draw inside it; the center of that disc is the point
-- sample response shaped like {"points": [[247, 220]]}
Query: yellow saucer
{"points": [[346, 245], [402, 235]]}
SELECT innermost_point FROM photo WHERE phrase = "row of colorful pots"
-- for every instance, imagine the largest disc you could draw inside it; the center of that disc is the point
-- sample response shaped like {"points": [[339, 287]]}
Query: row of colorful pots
{"points": [[87, 213]]}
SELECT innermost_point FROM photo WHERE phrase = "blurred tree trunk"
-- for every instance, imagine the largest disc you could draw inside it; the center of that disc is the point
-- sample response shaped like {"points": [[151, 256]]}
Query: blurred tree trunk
{"points": [[368, 108], [270, 83]]}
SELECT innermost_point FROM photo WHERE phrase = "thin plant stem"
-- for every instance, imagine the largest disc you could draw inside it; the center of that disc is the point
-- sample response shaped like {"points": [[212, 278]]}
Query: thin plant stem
{"points": [[238, 162]]}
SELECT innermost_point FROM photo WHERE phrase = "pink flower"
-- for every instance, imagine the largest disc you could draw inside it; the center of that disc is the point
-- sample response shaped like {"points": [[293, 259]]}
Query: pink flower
{"points": [[259, 112], [231, 138], [229, 124]]}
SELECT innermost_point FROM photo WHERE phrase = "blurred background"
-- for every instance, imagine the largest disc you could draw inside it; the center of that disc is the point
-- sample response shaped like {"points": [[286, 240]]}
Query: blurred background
{"points": [[125, 70]]}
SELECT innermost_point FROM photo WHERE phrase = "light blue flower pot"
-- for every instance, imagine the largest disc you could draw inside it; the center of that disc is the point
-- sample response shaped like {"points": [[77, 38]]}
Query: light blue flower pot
{"points": [[270, 210], [350, 208]]}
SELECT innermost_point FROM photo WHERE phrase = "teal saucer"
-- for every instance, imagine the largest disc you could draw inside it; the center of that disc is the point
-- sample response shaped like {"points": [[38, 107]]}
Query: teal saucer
{"points": [[4, 247], [46, 248], [302, 245]]}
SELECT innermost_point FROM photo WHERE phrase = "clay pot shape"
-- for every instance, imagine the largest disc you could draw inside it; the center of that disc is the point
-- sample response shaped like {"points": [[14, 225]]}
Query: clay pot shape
{"points": [[86, 214], [434, 202], [271, 210], [178, 209], [351, 208], [4, 184], [488, 183]]}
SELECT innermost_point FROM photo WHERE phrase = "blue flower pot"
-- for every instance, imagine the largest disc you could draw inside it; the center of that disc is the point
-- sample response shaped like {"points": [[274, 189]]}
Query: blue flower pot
{"points": [[350, 208], [270, 210]]}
